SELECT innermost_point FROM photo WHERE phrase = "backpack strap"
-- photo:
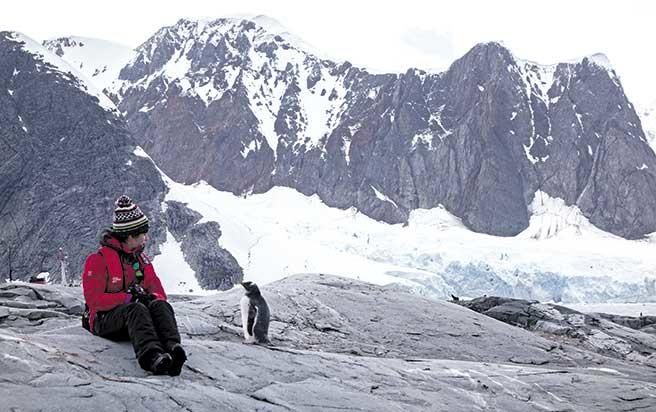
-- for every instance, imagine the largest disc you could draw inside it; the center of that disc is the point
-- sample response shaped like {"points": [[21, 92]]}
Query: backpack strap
{"points": [[113, 263], [115, 267]]}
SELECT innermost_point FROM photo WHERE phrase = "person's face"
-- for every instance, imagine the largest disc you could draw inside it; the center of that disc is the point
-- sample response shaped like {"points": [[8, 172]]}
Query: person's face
{"points": [[134, 242]]}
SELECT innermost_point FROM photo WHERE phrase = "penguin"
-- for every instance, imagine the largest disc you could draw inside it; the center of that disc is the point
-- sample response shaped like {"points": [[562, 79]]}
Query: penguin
{"points": [[254, 315]]}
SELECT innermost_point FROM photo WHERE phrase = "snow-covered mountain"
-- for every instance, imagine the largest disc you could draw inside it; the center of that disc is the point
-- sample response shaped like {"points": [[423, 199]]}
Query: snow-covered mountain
{"points": [[245, 109], [252, 112], [99, 60]]}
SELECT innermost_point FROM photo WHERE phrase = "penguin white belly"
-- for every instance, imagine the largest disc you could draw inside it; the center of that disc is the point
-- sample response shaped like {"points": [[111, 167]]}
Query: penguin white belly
{"points": [[245, 304]]}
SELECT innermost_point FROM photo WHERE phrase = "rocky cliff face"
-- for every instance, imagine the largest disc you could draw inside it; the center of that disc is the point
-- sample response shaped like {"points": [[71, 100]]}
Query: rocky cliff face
{"points": [[244, 109], [64, 160], [338, 345], [65, 155]]}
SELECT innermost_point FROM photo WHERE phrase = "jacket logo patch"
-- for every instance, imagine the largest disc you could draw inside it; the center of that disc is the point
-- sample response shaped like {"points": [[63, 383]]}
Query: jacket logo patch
{"points": [[116, 279]]}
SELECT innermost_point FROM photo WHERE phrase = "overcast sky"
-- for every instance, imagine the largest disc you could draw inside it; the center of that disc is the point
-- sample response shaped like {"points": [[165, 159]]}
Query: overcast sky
{"points": [[388, 36]]}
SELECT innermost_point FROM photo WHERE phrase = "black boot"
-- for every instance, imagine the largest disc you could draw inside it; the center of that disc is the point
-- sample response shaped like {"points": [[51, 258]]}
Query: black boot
{"points": [[179, 358], [161, 364]]}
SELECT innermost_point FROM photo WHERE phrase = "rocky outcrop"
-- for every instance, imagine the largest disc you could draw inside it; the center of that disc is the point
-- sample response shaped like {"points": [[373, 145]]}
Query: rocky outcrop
{"points": [[215, 267], [338, 344], [621, 337], [243, 109], [641, 322]]}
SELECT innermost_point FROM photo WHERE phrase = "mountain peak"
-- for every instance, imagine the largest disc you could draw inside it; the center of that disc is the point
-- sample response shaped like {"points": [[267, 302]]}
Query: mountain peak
{"points": [[488, 57], [601, 60], [490, 51], [47, 56]]}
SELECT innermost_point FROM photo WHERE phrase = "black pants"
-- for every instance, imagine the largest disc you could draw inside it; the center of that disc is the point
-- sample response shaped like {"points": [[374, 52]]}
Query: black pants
{"points": [[152, 329]]}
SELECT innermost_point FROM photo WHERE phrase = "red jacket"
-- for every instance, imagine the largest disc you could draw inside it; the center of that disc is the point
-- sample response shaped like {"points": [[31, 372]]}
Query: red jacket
{"points": [[107, 277]]}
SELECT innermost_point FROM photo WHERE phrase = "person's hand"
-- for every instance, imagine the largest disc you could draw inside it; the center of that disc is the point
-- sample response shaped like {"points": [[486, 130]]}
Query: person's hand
{"points": [[139, 294], [146, 298]]}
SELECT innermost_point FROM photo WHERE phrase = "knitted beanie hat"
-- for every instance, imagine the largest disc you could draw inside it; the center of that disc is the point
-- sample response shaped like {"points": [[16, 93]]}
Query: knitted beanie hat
{"points": [[128, 217]]}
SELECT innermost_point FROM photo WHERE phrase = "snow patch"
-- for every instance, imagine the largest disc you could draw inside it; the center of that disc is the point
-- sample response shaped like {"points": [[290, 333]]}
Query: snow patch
{"points": [[253, 146], [527, 151], [321, 114], [551, 218], [425, 138], [373, 93], [537, 78], [141, 152], [101, 61], [20, 120], [647, 116], [174, 272], [346, 149], [383, 197]]}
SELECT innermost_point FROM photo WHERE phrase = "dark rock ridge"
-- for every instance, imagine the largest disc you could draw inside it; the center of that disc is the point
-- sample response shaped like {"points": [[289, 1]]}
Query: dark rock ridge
{"points": [[215, 267], [63, 161], [621, 337], [339, 344], [58, 45], [243, 109]]}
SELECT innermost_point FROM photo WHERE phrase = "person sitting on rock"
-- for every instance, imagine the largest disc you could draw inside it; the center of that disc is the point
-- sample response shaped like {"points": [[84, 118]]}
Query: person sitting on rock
{"points": [[125, 298]]}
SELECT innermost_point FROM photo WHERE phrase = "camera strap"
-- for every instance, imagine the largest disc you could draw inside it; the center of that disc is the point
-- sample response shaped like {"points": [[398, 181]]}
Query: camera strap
{"points": [[138, 271]]}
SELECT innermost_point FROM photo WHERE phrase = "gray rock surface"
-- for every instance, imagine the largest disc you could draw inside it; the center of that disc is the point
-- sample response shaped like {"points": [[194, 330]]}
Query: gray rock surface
{"points": [[253, 111], [338, 345]]}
